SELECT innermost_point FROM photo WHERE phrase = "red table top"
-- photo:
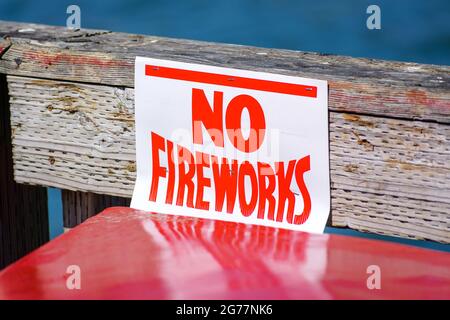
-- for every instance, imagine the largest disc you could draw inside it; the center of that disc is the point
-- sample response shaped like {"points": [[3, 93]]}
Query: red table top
{"points": [[128, 254]]}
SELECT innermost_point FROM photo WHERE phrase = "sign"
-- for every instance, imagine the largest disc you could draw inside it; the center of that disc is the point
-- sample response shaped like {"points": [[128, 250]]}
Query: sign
{"points": [[231, 144]]}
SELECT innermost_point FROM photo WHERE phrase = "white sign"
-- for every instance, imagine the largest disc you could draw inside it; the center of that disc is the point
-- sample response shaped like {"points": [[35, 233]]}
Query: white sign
{"points": [[231, 145]]}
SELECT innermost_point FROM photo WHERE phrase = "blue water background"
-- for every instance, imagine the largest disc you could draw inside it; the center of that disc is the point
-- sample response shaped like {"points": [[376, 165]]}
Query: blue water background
{"points": [[415, 30]]}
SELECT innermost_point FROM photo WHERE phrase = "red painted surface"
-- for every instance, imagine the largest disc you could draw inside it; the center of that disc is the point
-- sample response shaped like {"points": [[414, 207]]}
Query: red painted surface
{"points": [[73, 59], [129, 254], [231, 81]]}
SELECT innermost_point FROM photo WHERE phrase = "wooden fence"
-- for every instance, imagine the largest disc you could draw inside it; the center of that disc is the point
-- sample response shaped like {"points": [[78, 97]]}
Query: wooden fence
{"points": [[23, 208], [72, 119]]}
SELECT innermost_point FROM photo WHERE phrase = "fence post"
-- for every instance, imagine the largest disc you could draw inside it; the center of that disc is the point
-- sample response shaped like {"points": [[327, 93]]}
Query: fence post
{"points": [[23, 208], [78, 206]]}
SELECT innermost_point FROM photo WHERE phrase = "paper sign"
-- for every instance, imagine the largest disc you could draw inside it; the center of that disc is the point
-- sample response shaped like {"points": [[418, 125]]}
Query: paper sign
{"points": [[231, 145]]}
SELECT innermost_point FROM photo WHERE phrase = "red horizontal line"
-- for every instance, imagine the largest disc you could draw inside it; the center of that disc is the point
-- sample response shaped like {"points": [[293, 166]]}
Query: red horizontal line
{"points": [[231, 81]]}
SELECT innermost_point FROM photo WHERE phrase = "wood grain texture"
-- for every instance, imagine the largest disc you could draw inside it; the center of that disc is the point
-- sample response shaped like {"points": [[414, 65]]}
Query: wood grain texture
{"points": [[363, 86], [4, 45], [388, 176], [23, 208]]}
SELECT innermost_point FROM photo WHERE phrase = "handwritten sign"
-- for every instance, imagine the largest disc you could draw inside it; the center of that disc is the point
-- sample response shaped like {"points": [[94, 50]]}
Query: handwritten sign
{"points": [[231, 144]]}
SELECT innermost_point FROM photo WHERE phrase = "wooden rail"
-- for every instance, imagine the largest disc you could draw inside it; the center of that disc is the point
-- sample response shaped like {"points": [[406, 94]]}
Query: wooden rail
{"points": [[72, 118]]}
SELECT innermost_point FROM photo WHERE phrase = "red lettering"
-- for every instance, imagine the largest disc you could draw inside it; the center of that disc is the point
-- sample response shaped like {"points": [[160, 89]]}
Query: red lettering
{"points": [[171, 178], [158, 143], [303, 165], [246, 169], [257, 123], [202, 113], [284, 189], [185, 157], [265, 173], [230, 182], [202, 161], [225, 181]]}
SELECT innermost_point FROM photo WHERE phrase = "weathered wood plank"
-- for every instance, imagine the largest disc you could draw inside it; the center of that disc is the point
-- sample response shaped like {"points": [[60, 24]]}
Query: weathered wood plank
{"points": [[388, 175], [23, 209], [364, 86], [4, 45]]}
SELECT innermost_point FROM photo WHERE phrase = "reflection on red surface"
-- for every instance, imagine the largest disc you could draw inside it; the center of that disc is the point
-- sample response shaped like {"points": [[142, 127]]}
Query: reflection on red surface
{"points": [[129, 254]]}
